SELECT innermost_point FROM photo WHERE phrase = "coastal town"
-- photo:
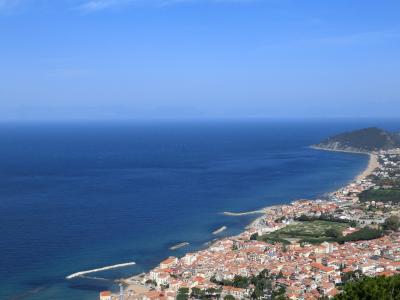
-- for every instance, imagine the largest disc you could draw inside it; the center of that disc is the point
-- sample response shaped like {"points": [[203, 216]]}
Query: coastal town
{"points": [[304, 250]]}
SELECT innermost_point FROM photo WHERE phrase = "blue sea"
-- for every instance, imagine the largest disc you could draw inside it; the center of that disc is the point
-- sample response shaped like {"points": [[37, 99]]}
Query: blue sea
{"points": [[83, 195]]}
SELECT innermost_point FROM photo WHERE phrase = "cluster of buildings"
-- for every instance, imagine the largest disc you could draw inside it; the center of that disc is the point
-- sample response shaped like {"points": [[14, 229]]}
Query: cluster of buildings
{"points": [[389, 165], [306, 271]]}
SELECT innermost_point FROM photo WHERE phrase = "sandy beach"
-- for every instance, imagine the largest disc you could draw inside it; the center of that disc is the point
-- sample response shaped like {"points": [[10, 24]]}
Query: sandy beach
{"points": [[134, 287], [372, 165]]}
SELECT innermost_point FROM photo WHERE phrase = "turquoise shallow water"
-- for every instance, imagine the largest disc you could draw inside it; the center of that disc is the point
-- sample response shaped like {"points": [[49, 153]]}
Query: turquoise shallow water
{"points": [[77, 196]]}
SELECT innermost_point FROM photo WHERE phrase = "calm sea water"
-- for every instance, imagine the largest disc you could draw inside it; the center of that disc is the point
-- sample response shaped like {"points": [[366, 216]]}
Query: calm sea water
{"points": [[77, 196]]}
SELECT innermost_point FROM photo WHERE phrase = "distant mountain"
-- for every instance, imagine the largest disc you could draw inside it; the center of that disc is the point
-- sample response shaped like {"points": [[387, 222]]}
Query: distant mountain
{"points": [[363, 140]]}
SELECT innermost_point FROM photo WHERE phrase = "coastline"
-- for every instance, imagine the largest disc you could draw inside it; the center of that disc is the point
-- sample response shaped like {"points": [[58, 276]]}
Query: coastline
{"points": [[134, 284], [339, 150], [372, 163]]}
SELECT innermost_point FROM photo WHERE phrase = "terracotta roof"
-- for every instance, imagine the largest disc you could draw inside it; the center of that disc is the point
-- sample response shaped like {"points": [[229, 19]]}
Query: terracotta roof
{"points": [[322, 267]]}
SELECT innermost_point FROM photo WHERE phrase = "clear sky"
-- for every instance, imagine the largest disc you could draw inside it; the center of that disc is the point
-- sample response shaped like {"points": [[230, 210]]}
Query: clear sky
{"points": [[199, 58]]}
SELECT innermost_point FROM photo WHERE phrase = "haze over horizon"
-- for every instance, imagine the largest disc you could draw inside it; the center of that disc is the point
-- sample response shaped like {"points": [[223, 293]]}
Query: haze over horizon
{"points": [[111, 59]]}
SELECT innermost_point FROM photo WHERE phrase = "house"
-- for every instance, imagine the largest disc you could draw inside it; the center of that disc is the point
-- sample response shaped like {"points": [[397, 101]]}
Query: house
{"points": [[321, 268], [105, 295], [154, 295], [169, 262], [234, 291]]}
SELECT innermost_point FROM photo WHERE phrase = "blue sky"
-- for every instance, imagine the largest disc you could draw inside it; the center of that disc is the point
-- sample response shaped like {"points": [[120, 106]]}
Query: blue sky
{"points": [[199, 58]]}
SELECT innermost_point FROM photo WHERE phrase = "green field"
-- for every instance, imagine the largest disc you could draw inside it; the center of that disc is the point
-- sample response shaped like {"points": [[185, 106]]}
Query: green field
{"points": [[309, 231]]}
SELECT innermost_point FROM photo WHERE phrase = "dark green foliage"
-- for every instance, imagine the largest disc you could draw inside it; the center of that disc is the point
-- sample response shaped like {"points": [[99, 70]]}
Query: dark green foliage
{"points": [[254, 237], [183, 290], [351, 276], [263, 285], [380, 288], [279, 294], [392, 223], [365, 233], [229, 297], [238, 281], [272, 240], [183, 294], [381, 195], [322, 217], [353, 223], [268, 239], [197, 293], [333, 232], [182, 297], [311, 240]]}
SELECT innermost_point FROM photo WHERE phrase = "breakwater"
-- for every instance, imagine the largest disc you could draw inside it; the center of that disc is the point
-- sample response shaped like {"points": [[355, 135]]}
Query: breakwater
{"points": [[82, 273]]}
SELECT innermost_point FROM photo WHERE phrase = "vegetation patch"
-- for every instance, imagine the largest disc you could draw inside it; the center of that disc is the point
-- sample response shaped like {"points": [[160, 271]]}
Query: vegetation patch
{"points": [[262, 286], [363, 234], [308, 231], [381, 195], [383, 288]]}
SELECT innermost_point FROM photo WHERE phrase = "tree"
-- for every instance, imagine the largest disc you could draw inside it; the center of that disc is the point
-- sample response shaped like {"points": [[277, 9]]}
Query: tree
{"points": [[279, 294], [382, 288], [240, 282], [352, 276], [182, 297], [197, 293], [257, 293], [333, 232], [183, 294], [254, 237], [229, 297], [364, 234], [392, 223]]}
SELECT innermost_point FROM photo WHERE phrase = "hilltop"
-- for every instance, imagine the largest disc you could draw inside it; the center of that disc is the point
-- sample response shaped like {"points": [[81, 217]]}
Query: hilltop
{"points": [[363, 140]]}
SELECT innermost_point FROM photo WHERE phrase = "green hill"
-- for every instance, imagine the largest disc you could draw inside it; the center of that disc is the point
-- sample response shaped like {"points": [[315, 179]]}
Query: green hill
{"points": [[363, 140]]}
